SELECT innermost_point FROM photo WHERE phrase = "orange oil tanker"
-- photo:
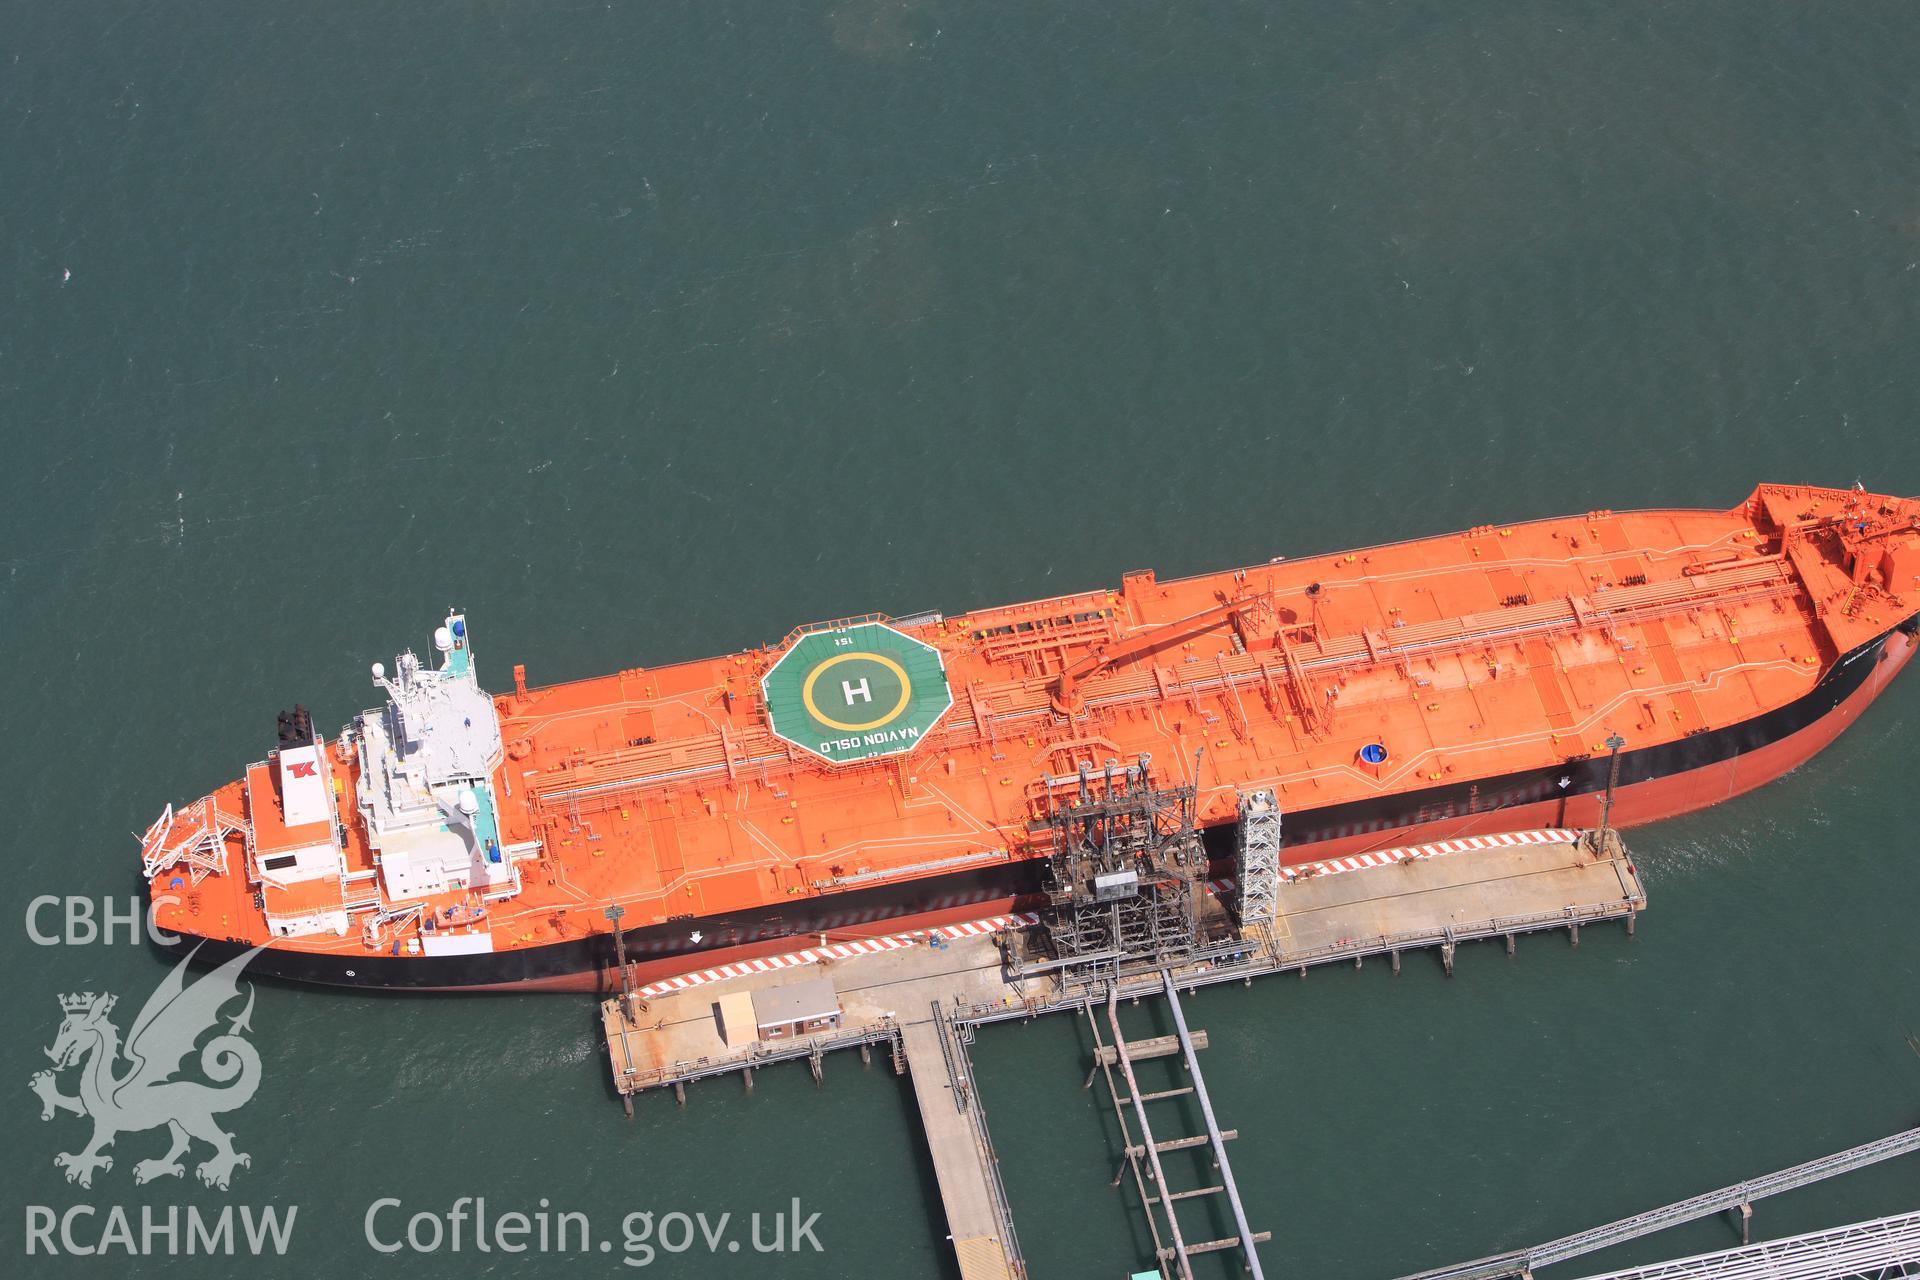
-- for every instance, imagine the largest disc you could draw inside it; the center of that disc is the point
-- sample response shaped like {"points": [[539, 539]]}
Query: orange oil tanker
{"points": [[877, 773]]}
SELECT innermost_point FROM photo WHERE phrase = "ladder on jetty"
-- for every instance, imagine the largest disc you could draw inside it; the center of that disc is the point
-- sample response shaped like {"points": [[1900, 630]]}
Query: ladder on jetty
{"points": [[1883, 1249], [1738, 1198], [1143, 1156]]}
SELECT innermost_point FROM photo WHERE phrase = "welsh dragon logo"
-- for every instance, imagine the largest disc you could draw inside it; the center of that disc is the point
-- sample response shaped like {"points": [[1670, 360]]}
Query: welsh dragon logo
{"points": [[145, 1095]]}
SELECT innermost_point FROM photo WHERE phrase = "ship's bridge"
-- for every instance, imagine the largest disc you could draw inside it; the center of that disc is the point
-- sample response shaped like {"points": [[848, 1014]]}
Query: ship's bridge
{"points": [[856, 691], [425, 787]]}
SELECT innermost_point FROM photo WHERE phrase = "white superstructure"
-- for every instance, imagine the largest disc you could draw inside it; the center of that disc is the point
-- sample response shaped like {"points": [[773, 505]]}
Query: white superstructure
{"points": [[426, 760]]}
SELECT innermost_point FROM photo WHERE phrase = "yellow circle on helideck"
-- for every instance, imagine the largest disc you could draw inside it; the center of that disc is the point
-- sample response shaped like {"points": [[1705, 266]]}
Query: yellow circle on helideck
{"points": [[906, 691]]}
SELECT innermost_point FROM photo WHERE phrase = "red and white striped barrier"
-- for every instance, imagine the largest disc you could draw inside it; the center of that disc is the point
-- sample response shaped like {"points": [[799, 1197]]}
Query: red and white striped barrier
{"points": [[1439, 849], [974, 928], [835, 951]]}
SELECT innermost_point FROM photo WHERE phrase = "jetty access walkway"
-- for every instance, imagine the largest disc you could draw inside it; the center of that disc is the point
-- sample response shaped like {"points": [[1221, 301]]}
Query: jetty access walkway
{"points": [[922, 997]]}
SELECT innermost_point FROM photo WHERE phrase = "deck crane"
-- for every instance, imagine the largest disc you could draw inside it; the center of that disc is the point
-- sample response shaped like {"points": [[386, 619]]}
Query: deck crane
{"points": [[1065, 695]]}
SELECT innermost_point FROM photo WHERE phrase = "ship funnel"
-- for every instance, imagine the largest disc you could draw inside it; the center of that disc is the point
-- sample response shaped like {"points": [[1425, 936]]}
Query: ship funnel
{"points": [[303, 787]]}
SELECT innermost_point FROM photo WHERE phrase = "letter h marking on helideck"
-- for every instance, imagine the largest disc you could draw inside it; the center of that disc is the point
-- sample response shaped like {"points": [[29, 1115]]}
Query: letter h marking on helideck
{"points": [[851, 691]]}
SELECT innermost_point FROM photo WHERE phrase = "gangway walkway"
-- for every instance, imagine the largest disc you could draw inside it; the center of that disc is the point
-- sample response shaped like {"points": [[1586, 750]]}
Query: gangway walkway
{"points": [[1883, 1249], [1741, 1196], [979, 1216]]}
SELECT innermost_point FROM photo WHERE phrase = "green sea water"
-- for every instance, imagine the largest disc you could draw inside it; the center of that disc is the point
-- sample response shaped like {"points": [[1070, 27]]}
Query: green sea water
{"points": [[643, 332]]}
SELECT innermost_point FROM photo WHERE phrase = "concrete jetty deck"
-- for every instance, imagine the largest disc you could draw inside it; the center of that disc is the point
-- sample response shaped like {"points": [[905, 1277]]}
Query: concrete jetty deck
{"points": [[1436, 900], [921, 996], [677, 1037], [892, 998]]}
